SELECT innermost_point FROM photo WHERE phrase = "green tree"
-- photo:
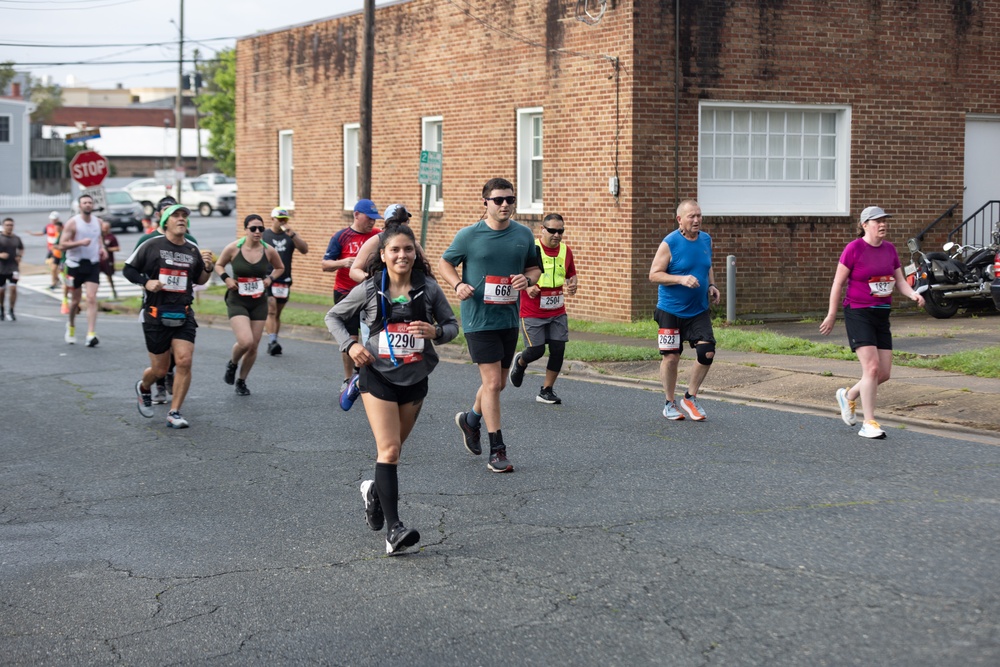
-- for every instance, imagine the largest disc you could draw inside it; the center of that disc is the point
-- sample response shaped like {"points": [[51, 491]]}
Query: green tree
{"points": [[7, 75], [46, 100], [218, 104]]}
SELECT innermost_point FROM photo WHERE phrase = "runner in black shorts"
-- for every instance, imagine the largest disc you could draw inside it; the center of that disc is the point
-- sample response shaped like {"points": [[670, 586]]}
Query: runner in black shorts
{"points": [[168, 321], [499, 260], [407, 313], [255, 265]]}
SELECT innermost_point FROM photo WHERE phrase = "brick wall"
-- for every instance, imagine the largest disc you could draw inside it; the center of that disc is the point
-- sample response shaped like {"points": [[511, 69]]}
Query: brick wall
{"points": [[909, 69]]}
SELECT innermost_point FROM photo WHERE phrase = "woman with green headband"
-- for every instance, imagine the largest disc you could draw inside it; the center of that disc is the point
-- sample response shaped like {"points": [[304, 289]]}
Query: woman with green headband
{"points": [[255, 265]]}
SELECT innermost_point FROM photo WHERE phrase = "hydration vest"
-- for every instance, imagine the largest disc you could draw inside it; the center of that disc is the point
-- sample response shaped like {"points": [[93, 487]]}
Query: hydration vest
{"points": [[414, 310]]}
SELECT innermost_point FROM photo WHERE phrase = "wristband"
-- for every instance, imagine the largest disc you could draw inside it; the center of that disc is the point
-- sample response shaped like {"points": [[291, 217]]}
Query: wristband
{"points": [[712, 285], [457, 285], [224, 276]]}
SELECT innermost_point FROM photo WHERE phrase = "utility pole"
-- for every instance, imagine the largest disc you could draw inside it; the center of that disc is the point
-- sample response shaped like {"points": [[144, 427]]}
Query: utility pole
{"points": [[178, 119], [197, 120], [365, 131]]}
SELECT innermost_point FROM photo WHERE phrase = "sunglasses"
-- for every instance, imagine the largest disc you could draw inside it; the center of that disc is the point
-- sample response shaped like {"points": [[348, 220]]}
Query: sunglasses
{"points": [[552, 230], [500, 200], [255, 229]]}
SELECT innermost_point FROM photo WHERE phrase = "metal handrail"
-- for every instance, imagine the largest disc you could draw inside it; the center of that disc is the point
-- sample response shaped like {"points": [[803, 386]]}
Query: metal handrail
{"points": [[947, 214], [982, 225]]}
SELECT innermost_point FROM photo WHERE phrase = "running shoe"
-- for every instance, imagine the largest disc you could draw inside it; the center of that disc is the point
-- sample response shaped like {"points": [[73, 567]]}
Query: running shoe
{"points": [[516, 374], [871, 429], [159, 393], [671, 412], [241, 388], [92, 339], [373, 508], [470, 436], [498, 460], [70, 336], [174, 420], [400, 538], [274, 348], [230, 376], [693, 410], [144, 400], [846, 408], [11, 317], [546, 395], [349, 393]]}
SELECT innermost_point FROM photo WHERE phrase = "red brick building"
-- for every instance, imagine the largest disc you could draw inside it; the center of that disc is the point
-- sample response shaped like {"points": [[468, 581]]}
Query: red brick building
{"points": [[783, 117]]}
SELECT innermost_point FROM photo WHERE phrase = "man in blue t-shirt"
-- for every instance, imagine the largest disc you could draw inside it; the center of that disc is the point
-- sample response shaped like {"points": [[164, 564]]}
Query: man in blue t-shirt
{"points": [[498, 261], [682, 268]]}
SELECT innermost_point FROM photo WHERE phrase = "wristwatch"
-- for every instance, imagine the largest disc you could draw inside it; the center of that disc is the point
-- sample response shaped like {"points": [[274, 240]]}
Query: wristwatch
{"points": [[438, 331]]}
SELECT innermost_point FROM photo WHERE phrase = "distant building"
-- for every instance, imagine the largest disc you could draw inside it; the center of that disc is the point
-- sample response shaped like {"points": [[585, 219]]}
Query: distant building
{"points": [[15, 146], [784, 119]]}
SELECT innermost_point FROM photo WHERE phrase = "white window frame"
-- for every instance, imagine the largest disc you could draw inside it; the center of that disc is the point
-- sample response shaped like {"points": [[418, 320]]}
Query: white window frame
{"points": [[352, 137], [432, 139], [286, 169], [745, 195], [526, 160], [10, 127]]}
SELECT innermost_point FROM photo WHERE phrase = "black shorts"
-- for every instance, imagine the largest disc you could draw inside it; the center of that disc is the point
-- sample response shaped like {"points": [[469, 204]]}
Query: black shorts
{"points": [[280, 299], [487, 347], [7, 278], [87, 272], [372, 382], [692, 329], [159, 337], [868, 326], [353, 323], [255, 309]]}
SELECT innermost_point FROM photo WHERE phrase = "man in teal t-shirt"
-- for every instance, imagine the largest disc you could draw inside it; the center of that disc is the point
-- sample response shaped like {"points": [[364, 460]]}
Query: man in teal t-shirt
{"points": [[498, 260]]}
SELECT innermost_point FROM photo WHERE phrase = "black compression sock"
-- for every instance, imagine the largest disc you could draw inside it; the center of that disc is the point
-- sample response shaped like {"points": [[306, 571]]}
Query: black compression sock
{"points": [[387, 488]]}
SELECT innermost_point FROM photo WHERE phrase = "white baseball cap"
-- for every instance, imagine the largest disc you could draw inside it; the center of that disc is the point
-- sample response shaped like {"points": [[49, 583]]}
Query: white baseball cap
{"points": [[54, 215]]}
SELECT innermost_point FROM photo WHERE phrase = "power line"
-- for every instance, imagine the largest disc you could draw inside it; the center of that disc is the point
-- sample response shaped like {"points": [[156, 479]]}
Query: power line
{"points": [[103, 46], [111, 62], [65, 9]]}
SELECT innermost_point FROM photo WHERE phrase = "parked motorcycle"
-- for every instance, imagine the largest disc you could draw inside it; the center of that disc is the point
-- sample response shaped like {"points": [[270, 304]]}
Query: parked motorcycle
{"points": [[960, 277]]}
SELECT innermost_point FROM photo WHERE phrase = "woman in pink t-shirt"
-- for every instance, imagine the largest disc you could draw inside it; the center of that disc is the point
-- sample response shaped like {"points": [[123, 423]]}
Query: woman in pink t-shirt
{"points": [[871, 270]]}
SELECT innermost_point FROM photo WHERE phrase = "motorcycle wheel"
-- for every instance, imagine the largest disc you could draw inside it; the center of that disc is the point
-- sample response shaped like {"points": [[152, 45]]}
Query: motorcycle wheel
{"points": [[938, 307]]}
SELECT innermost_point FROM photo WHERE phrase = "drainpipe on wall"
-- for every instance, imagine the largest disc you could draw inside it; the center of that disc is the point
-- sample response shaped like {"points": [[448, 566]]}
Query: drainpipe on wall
{"points": [[677, 102]]}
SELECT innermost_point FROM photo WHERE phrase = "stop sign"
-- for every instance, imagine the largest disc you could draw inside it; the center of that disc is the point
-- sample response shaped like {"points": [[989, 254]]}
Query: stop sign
{"points": [[88, 168]]}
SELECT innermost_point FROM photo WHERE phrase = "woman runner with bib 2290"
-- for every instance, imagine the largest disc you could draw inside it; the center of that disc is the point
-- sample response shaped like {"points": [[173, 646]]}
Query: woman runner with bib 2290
{"points": [[871, 270], [407, 313], [255, 265]]}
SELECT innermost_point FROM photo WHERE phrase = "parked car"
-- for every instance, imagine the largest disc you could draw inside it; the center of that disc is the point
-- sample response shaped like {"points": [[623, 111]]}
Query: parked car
{"points": [[122, 211], [196, 194], [221, 183], [147, 192]]}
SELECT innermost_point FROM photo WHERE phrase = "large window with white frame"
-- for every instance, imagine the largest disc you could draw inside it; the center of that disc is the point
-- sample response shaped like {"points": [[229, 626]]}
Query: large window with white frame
{"points": [[4, 129], [286, 169], [529, 160], [351, 166], [432, 140], [774, 159]]}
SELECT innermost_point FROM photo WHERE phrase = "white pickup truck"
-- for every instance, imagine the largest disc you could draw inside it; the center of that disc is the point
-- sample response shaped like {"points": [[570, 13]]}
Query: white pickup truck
{"points": [[196, 194]]}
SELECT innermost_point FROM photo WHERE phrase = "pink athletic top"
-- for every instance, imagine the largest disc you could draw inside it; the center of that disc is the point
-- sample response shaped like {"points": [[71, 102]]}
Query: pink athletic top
{"points": [[871, 280]]}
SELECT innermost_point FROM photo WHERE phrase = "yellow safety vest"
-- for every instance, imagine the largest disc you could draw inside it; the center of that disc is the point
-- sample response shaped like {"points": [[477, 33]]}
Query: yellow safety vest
{"points": [[553, 268]]}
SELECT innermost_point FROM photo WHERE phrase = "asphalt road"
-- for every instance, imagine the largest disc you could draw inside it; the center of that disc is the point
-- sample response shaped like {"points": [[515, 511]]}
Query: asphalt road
{"points": [[755, 538]]}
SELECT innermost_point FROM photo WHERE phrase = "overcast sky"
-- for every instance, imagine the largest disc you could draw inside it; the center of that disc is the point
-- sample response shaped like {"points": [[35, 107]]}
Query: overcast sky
{"points": [[127, 22]]}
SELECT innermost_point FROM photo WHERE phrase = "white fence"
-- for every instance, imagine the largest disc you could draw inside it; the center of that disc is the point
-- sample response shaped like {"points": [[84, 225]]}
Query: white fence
{"points": [[11, 203]]}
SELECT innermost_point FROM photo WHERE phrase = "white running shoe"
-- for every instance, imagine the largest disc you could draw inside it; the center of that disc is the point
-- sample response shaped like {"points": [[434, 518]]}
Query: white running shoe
{"points": [[871, 429], [70, 334], [174, 420], [671, 412], [846, 407], [92, 340]]}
